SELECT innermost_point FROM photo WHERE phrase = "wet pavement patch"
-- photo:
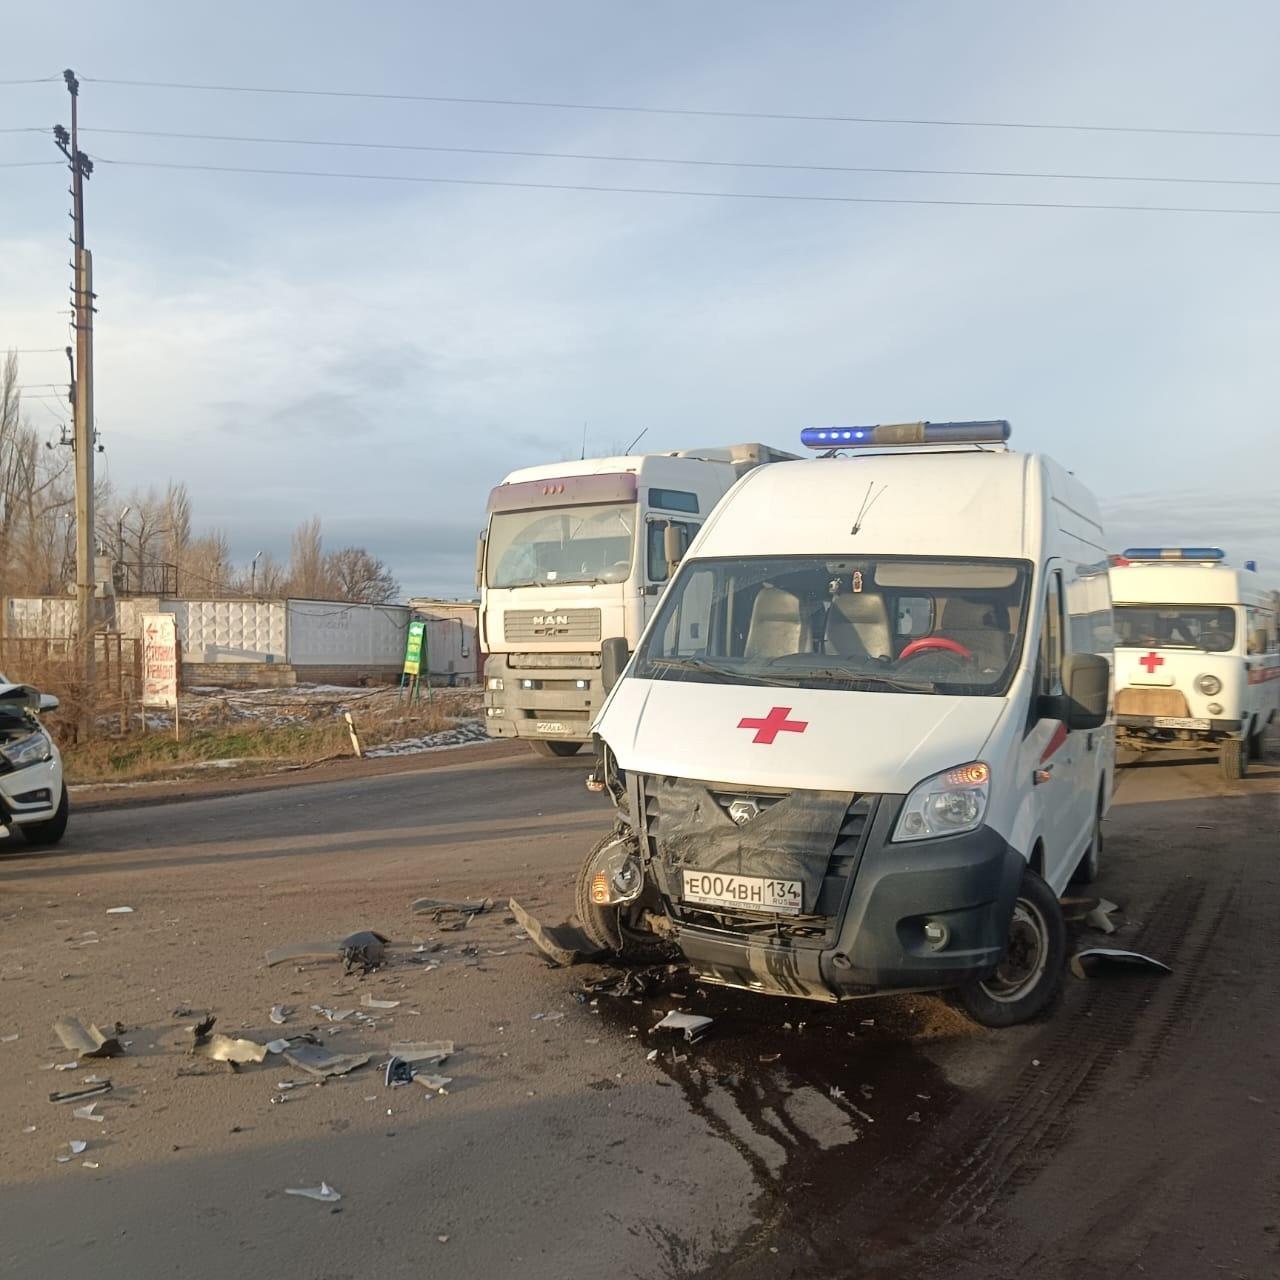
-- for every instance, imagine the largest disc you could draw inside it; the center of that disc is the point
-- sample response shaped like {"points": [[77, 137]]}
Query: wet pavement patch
{"points": [[816, 1099]]}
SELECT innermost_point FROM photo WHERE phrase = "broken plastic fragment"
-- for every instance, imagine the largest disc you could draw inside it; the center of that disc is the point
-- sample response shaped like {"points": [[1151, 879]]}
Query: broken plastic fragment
{"points": [[324, 1193], [428, 1081], [228, 1049], [692, 1024], [651, 1056], [370, 1003], [77, 1146], [564, 944], [332, 1015], [1106, 960], [89, 1164], [88, 1112], [1100, 916], [427, 1053], [319, 1061], [9, 1039], [90, 1043], [89, 1091], [119, 911], [279, 1014], [365, 949], [398, 1072], [277, 1046]]}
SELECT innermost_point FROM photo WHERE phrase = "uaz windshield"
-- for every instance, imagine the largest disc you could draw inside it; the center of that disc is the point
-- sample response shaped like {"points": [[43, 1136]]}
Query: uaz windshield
{"points": [[895, 624], [1176, 626], [565, 544]]}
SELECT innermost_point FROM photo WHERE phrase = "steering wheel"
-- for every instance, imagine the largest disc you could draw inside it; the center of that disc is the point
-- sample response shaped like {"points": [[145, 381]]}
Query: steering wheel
{"points": [[935, 644], [1215, 641]]}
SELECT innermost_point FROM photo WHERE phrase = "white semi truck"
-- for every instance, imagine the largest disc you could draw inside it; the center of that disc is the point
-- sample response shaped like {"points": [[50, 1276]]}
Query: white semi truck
{"points": [[577, 552]]}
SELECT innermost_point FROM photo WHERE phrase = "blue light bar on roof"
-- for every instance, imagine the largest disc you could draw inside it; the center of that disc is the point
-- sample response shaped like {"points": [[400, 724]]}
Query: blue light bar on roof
{"points": [[1175, 553], [889, 434]]}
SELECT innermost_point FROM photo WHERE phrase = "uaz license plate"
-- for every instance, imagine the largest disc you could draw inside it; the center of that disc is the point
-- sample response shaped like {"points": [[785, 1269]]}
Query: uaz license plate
{"points": [[1180, 722], [754, 893]]}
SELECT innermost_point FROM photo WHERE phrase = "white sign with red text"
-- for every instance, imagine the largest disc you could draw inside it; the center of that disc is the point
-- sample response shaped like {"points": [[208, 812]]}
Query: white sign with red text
{"points": [[159, 660]]}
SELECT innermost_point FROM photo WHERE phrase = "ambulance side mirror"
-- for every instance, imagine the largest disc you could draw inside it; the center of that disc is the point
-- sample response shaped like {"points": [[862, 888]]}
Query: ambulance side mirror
{"points": [[613, 658], [1086, 682]]}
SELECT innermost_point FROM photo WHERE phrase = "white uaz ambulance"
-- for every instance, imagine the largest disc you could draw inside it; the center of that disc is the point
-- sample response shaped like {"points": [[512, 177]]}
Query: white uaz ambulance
{"points": [[1197, 659], [866, 739]]}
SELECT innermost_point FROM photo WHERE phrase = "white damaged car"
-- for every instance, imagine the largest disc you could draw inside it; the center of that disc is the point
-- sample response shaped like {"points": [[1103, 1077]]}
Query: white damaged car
{"points": [[33, 794]]}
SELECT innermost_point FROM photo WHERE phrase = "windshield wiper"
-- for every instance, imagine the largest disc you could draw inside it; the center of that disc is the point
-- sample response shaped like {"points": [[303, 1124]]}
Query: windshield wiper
{"points": [[869, 677], [710, 668]]}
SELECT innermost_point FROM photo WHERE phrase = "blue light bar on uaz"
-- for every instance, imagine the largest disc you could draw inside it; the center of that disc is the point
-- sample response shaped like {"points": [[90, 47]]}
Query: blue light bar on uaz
{"points": [[891, 434], [1175, 553]]}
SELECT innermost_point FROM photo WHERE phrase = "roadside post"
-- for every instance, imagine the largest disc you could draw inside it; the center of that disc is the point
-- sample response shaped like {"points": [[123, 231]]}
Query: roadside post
{"points": [[160, 664], [415, 647]]}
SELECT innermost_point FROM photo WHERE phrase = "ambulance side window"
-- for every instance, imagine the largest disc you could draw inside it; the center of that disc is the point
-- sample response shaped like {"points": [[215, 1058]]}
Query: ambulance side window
{"points": [[1262, 631], [1049, 667]]}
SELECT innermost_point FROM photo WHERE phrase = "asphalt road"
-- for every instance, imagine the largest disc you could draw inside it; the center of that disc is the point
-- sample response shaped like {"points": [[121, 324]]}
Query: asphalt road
{"points": [[1132, 1133]]}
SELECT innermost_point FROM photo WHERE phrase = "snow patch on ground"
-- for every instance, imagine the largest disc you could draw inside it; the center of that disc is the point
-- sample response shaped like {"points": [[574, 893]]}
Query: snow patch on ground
{"points": [[464, 734]]}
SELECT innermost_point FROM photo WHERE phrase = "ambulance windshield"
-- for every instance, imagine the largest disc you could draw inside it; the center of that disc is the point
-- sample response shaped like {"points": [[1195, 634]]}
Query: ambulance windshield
{"points": [[1211, 628], [905, 625]]}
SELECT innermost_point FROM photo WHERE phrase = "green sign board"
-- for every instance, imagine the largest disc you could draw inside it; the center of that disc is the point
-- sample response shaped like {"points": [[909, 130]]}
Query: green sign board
{"points": [[414, 647]]}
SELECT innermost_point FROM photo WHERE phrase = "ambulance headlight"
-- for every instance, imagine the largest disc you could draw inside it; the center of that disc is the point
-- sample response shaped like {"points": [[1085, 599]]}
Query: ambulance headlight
{"points": [[948, 804], [1208, 685], [33, 749]]}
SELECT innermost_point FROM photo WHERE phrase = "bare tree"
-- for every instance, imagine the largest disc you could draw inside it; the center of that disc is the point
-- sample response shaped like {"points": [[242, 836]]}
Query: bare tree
{"points": [[361, 577], [309, 574]]}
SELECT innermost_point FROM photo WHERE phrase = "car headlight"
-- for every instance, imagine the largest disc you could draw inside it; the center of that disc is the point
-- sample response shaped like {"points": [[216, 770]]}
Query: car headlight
{"points": [[1208, 685], [946, 805], [616, 875], [495, 683], [35, 748]]}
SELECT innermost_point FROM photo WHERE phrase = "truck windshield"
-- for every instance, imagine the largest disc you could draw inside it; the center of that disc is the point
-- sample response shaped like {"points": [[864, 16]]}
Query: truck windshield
{"points": [[891, 624], [1176, 626], [561, 544]]}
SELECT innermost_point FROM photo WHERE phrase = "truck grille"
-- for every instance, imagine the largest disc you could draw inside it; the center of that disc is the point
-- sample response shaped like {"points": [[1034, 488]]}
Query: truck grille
{"points": [[816, 927], [525, 625]]}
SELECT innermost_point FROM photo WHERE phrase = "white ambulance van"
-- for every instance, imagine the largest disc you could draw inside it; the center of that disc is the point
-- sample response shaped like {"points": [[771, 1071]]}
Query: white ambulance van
{"points": [[1197, 658], [866, 740]]}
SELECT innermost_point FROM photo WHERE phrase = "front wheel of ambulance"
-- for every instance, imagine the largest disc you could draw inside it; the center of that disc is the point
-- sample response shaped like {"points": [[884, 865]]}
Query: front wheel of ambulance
{"points": [[52, 829], [620, 929], [1233, 758], [1027, 980]]}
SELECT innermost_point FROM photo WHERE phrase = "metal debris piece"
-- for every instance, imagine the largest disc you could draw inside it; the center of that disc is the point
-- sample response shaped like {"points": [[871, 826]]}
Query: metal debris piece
{"points": [[1100, 916], [364, 949], [234, 1050], [398, 1072], [370, 1003], [91, 1043], [77, 1095], [439, 908], [277, 1046], [324, 1193], [319, 1061], [332, 1015], [547, 1017], [420, 1053], [428, 1081], [78, 1147], [280, 1014], [88, 1112], [9, 1039], [564, 944], [692, 1024], [1107, 960], [119, 911]]}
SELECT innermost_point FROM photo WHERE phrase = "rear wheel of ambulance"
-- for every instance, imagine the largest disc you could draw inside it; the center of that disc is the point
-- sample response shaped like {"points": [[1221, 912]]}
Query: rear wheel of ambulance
{"points": [[617, 929], [1029, 976], [1233, 758], [544, 747]]}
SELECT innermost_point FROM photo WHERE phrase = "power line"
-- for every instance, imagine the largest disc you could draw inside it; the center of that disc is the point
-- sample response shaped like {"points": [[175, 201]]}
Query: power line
{"points": [[27, 164], [714, 164], [689, 111], [667, 191], [37, 80]]}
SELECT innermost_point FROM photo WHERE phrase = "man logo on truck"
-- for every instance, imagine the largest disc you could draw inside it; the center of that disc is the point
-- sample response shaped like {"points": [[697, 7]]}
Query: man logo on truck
{"points": [[548, 624]]}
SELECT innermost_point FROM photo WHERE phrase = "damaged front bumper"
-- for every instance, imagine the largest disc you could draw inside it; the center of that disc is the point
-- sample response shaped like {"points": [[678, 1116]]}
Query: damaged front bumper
{"points": [[877, 916]]}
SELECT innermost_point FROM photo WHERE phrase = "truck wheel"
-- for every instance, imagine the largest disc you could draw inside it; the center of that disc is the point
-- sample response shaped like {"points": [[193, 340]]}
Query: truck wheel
{"points": [[52, 829], [1029, 976], [1086, 871], [552, 748], [1233, 759], [616, 929]]}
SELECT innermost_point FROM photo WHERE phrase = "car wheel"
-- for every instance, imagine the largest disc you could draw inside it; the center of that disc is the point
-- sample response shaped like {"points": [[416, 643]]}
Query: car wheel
{"points": [[1090, 863], [1029, 976], [1233, 759], [558, 749], [617, 929], [52, 829]]}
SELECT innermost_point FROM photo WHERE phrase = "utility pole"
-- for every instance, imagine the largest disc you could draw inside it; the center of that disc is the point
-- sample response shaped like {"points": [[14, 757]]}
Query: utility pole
{"points": [[84, 434]]}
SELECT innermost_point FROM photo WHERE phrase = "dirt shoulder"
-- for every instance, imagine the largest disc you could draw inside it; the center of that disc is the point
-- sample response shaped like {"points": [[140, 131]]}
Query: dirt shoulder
{"points": [[96, 796]]}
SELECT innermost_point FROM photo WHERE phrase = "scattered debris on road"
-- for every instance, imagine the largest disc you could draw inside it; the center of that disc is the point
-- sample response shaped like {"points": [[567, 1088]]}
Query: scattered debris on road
{"points": [[234, 1051], [119, 911], [88, 1091], [280, 1014], [694, 1025], [370, 1003], [324, 1193], [88, 1112], [419, 1053], [443, 912], [319, 1061], [364, 950], [1107, 960], [564, 944], [91, 1043], [332, 1015]]}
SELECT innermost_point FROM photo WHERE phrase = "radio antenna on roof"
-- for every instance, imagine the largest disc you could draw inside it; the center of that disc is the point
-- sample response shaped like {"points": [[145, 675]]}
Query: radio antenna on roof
{"points": [[636, 441]]}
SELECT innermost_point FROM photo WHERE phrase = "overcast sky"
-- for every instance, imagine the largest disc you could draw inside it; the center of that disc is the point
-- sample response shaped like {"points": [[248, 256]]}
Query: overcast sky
{"points": [[381, 353]]}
